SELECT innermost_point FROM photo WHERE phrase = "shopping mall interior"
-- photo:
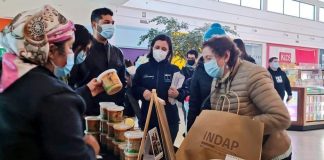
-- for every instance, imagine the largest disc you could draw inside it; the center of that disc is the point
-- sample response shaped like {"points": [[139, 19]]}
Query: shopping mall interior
{"points": [[291, 30]]}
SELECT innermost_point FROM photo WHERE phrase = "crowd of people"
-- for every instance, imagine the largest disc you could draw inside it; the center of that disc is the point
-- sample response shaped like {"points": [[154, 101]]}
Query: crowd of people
{"points": [[48, 84]]}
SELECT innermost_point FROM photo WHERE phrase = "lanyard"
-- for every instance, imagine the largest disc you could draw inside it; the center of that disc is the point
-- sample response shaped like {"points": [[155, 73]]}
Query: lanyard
{"points": [[108, 55]]}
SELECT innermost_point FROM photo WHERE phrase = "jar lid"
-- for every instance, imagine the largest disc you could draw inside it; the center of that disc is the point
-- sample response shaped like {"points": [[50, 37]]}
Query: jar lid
{"points": [[122, 126], [134, 134], [86, 132], [92, 118], [105, 73], [106, 104], [115, 108]]}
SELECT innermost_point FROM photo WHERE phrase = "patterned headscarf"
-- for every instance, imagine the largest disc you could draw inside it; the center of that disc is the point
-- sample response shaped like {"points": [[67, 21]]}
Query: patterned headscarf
{"points": [[28, 37]]}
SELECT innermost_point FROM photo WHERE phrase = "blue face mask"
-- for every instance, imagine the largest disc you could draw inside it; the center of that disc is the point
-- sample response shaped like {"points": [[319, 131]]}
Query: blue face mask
{"points": [[64, 71], [107, 30], [275, 65], [80, 57], [213, 69]]}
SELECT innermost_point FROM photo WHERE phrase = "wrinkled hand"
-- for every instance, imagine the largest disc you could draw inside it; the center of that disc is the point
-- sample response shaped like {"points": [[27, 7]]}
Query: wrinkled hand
{"points": [[147, 95], [90, 140], [173, 92], [95, 87], [289, 98]]}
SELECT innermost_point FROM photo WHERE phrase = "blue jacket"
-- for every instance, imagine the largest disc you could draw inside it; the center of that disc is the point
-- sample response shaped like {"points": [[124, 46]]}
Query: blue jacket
{"points": [[154, 75]]}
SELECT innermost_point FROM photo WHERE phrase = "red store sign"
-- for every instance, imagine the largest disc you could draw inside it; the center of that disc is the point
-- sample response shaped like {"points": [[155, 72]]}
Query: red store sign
{"points": [[284, 57]]}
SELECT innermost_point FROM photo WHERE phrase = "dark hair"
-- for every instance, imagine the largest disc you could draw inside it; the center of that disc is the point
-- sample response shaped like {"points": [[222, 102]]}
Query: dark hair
{"points": [[97, 13], [220, 45], [194, 52], [241, 46], [60, 46], [82, 38], [128, 63], [161, 37], [272, 58]]}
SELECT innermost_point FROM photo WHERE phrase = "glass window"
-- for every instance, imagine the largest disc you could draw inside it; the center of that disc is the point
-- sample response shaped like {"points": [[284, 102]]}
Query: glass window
{"points": [[275, 6], [255, 51], [321, 14], [251, 3], [291, 8], [231, 1], [307, 11]]}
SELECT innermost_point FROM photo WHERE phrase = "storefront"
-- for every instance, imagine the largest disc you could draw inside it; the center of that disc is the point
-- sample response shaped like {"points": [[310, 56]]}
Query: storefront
{"points": [[302, 67]]}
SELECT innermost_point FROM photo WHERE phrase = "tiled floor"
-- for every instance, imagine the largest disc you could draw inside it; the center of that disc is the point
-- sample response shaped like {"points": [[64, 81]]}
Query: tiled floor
{"points": [[307, 145]]}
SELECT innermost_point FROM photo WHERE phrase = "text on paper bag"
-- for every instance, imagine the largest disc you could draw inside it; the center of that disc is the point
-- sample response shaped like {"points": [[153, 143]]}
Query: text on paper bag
{"points": [[212, 140]]}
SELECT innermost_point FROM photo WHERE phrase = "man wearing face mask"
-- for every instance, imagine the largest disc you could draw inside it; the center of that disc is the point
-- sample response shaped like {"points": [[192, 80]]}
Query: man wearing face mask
{"points": [[189, 69], [281, 82], [103, 56]]}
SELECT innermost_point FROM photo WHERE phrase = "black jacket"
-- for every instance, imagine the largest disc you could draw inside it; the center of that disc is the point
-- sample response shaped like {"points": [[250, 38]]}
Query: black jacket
{"points": [[281, 82], [40, 118], [200, 86], [94, 64], [187, 72], [154, 75], [132, 107]]}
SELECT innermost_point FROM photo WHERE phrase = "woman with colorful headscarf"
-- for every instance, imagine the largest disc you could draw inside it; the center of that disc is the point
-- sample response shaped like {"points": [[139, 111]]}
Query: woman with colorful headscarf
{"points": [[40, 117]]}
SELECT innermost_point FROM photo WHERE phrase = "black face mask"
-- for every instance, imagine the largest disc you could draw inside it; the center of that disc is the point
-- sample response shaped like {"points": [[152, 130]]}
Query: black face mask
{"points": [[190, 62]]}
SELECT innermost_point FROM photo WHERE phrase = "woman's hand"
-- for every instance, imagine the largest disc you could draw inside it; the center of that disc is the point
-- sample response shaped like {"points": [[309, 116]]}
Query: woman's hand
{"points": [[173, 92], [90, 140], [147, 95], [95, 87]]}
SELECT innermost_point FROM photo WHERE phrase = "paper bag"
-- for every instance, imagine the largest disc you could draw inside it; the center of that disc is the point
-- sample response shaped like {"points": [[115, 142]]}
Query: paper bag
{"points": [[216, 134]]}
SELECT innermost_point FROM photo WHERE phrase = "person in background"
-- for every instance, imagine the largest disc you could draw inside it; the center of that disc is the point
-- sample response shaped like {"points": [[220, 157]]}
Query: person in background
{"points": [[241, 46], [199, 89], [280, 79], [132, 107], [128, 63], [191, 58], [252, 87], [103, 56], [188, 71], [200, 83], [157, 74], [81, 47], [40, 115]]}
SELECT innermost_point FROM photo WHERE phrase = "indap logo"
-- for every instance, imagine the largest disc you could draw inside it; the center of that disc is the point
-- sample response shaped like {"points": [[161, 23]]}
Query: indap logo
{"points": [[212, 140]]}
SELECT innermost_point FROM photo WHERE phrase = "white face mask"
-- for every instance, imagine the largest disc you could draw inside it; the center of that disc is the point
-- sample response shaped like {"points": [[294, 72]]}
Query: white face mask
{"points": [[159, 55], [107, 30]]}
